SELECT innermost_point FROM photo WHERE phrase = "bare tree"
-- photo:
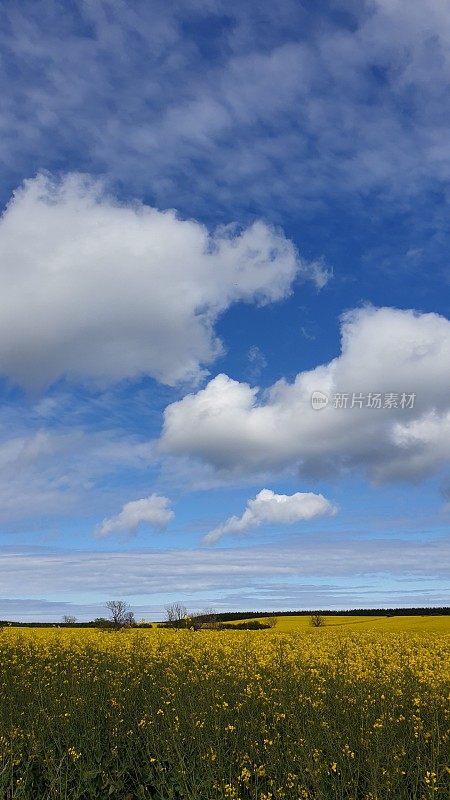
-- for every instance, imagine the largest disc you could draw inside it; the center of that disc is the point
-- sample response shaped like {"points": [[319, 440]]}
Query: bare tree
{"points": [[68, 619], [120, 613], [129, 619], [317, 621], [176, 615]]}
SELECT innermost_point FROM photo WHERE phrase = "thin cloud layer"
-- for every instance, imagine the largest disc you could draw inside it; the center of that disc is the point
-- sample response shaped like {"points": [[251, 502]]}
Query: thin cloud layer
{"points": [[43, 572], [49, 472], [284, 104], [268, 507], [231, 426], [153, 510], [94, 289]]}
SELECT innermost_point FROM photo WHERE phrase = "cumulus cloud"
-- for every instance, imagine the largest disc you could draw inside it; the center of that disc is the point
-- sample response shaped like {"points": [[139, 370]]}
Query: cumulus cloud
{"points": [[268, 507], [152, 510], [235, 428], [93, 288]]}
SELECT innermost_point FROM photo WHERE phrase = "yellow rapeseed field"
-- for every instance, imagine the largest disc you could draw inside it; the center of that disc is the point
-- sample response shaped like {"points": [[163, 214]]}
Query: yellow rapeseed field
{"points": [[384, 624], [356, 711]]}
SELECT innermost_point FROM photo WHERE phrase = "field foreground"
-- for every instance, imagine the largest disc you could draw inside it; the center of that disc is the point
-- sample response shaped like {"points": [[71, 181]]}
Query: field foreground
{"points": [[338, 712]]}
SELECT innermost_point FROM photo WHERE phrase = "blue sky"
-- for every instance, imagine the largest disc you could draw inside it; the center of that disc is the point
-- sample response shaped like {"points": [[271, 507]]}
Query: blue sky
{"points": [[210, 211]]}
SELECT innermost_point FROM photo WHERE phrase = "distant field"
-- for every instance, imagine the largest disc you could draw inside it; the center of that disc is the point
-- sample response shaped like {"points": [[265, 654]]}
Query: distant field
{"points": [[429, 624]]}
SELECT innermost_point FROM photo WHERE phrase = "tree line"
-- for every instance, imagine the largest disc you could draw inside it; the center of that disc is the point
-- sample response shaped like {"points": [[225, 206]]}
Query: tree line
{"points": [[120, 615]]}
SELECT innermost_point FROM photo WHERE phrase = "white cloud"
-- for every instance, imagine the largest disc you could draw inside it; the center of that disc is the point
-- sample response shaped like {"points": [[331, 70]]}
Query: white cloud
{"points": [[47, 472], [268, 507], [233, 427], [257, 362], [152, 510], [293, 108], [96, 289], [425, 440], [44, 572]]}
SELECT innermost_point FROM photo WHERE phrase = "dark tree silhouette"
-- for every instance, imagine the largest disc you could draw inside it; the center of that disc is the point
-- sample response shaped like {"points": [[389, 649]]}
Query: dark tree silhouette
{"points": [[120, 612]]}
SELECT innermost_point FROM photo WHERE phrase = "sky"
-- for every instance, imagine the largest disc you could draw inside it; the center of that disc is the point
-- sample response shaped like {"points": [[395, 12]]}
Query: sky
{"points": [[224, 302]]}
